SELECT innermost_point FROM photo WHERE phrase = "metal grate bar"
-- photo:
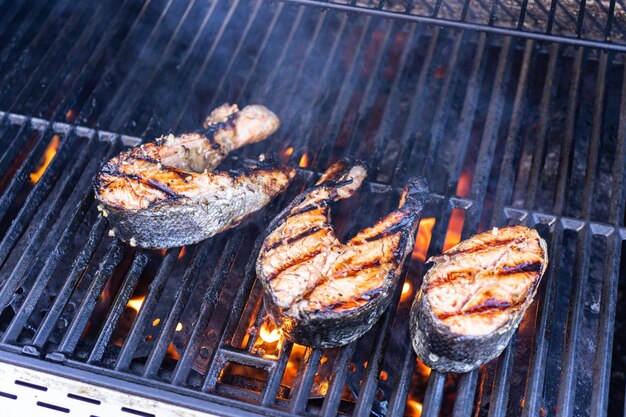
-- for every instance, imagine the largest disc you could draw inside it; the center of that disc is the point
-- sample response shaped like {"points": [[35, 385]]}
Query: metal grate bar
{"points": [[53, 54], [19, 34], [236, 56], [119, 304], [384, 131], [397, 400], [92, 67], [371, 91], [269, 83], [35, 197], [10, 153], [570, 132], [140, 74], [49, 216], [537, 367], [52, 260], [470, 105], [320, 93], [19, 178], [147, 308], [544, 119], [25, 266], [616, 210], [340, 105], [604, 346], [488, 140], [333, 397], [303, 384], [80, 263], [500, 391], [275, 375], [183, 366], [216, 41], [182, 296], [434, 394], [440, 117], [466, 388], [512, 146], [596, 133], [567, 388], [75, 329], [416, 106], [237, 307]]}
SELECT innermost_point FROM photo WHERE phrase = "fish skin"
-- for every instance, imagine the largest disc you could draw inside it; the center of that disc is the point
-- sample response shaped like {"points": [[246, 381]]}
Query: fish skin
{"points": [[164, 194], [324, 293], [481, 273]]}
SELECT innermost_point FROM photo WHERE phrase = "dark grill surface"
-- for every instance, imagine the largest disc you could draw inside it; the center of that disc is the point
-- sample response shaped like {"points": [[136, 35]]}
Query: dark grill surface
{"points": [[506, 130]]}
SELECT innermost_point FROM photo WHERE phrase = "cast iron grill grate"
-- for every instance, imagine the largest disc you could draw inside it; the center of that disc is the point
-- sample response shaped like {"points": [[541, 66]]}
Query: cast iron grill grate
{"points": [[506, 130], [595, 24]]}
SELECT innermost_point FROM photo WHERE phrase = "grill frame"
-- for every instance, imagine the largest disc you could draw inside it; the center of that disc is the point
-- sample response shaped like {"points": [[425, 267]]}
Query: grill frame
{"points": [[467, 385]]}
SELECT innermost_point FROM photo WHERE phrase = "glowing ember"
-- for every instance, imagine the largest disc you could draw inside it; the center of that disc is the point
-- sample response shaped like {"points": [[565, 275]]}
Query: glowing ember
{"points": [[413, 408], [156, 322], [70, 115], [51, 150], [406, 291], [424, 233], [304, 161], [135, 303], [288, 152], [269, 333], [182, 253], [179, 327]]}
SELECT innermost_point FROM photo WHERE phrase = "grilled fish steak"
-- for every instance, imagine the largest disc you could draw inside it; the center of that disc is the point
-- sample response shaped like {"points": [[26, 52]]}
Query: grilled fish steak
{"points": [[324, 293], [473, 298], [164, 194]]}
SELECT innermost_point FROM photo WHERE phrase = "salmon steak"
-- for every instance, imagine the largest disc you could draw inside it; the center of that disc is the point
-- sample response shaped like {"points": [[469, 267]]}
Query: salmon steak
{"points": [[319, 291], [474, 296], [166, 194]]}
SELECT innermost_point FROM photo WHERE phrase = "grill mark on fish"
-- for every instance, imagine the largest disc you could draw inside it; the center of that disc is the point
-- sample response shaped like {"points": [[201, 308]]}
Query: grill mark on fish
{"points": [[487, 306], [523, 267], [147, 181], [290, 240], [306, 257], [475, 249]]}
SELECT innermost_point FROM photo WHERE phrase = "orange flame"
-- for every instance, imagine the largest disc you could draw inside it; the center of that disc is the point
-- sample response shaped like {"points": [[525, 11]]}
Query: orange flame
{"points": [[413, 408], [135, 303], [424, 233], [288, 152], [457, 218], [464, 185], [182, 253], [171, 352], [304, 161], [455, 227], [51, 150]]}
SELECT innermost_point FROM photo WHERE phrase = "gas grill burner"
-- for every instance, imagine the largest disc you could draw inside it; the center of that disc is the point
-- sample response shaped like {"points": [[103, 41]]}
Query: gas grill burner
{"points": [[506, 129]]}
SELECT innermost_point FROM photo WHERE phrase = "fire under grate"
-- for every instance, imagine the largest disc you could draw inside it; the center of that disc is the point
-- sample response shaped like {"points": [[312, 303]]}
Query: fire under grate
{"points": [[506, 130]]}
